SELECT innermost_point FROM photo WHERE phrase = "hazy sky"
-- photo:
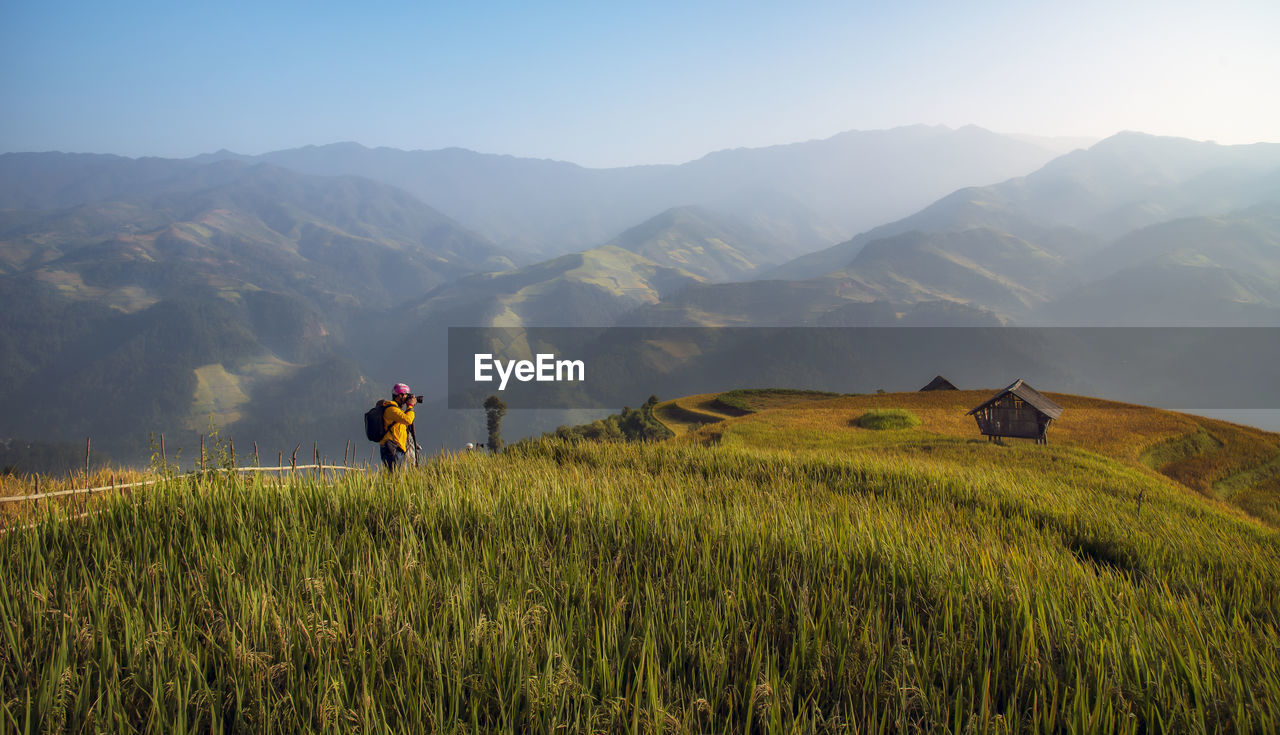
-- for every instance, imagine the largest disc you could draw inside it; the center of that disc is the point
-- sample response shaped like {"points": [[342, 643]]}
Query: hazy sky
{"points": [[604, 84]]}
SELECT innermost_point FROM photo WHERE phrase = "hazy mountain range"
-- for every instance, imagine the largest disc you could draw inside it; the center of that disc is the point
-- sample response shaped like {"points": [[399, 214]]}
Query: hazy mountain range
{"points": [[800, 196], [276, 294], [1038, 248]]}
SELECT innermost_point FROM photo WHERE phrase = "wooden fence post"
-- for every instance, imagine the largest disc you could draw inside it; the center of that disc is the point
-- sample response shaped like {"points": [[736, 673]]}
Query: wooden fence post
{"points": [[202, 452], [255, 455], [87, 441]]}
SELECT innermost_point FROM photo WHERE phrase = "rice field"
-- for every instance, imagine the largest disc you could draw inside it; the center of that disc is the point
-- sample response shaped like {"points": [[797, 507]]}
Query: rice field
{"points": [[932, 584]]}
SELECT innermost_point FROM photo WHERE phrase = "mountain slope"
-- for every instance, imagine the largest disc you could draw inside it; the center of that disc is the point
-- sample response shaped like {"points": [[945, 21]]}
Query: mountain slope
{"points": [[752, 304], [1247, 241], [591, 288], [838, 300], [985, 273], [1208, 271], [1171, 294], [699, 241], [980, 267]]}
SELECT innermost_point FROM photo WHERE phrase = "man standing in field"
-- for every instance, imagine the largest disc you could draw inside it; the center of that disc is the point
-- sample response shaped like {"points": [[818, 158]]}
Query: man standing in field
{"points": [[397, 416]]}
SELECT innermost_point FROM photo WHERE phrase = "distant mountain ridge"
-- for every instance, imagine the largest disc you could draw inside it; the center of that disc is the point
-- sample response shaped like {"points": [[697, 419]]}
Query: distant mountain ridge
{"points": [[41, 181], [805, 195]]}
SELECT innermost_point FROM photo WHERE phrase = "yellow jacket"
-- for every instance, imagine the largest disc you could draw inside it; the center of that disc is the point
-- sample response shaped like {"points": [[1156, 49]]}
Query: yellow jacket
{"points": [[397, 423]]}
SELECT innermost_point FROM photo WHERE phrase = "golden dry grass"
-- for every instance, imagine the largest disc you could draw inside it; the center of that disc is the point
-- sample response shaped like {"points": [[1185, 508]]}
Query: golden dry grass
{"points": [[1237, 463], [17, 485]]}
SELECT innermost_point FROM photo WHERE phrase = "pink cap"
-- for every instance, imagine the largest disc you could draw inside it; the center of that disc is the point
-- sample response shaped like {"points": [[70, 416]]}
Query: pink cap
{"points": [[400, 389]]}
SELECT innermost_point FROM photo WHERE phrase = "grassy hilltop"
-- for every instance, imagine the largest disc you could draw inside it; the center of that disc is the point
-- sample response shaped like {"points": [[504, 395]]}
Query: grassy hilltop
{"points": [[1236, 465], [773, 568]]}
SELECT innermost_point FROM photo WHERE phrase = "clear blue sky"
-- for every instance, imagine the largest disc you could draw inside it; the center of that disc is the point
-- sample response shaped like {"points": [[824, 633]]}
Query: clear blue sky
{"points": [[604, 84]]}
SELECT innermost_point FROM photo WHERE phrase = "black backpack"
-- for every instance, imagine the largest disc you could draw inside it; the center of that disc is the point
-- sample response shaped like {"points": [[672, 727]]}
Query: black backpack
{"points": [[374, 426]]}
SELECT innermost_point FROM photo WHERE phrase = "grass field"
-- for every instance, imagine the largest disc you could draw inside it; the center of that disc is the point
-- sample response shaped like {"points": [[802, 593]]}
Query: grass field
{"points": [[781, 571]]}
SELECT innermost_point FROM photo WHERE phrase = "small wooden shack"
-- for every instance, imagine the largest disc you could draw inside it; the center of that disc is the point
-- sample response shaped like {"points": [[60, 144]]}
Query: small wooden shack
{"points": [[938, 383], [1017, 411]]}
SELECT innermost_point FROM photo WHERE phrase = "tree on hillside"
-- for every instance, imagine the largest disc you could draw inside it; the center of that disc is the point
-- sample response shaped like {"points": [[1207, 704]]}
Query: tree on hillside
{"points": [[631, 425], [495, 409]]}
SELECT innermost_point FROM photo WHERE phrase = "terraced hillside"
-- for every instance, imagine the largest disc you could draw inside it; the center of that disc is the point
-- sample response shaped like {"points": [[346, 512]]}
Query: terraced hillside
{"points": [[683, 415]]}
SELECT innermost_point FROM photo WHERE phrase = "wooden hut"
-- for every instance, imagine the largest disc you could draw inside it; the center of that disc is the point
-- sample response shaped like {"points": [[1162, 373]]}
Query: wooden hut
{"points": [[939, 383], [1017, 411]]}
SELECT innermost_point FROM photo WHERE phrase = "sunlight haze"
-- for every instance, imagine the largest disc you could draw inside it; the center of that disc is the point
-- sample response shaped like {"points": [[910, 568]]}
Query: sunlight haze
{"points": [[608, 86]]}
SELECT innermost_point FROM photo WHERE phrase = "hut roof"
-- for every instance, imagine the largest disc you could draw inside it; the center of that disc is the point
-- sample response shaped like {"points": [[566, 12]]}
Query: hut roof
{"points": [[1028, 394], [939, 383]]}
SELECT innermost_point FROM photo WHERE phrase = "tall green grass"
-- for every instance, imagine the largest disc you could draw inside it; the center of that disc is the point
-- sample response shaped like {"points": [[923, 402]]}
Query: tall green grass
{"points": [[605, 588]]}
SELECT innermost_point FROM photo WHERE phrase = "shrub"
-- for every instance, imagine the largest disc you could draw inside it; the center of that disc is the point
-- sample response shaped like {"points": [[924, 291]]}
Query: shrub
{"points": [[880, 419]]}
